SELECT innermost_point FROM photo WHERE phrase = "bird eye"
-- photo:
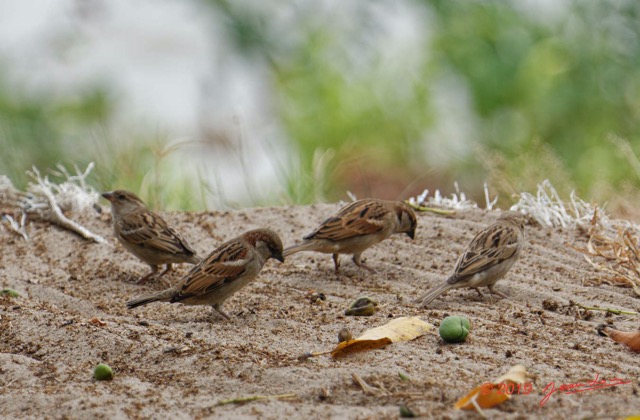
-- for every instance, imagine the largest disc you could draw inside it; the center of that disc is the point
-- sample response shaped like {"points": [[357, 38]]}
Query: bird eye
{"points": [[121, 196]]}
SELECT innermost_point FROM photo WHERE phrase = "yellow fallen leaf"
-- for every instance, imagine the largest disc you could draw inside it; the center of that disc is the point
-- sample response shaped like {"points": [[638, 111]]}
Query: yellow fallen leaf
{"points": [[356, 345], [399, 329], [517, 374], [490, 394]]}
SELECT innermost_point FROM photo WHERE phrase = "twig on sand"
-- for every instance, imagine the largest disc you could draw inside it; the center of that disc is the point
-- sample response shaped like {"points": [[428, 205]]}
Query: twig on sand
{"points": [[475, 404], [308, 355], [368, 389], [50, 210], [446, 205], [608, 310], [243, 400], [18, 227]]}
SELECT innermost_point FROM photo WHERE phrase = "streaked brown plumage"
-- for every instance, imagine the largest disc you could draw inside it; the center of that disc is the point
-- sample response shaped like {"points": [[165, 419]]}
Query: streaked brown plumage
{"points": [[146, 235], [487, 259], [226, 270], [358, 226]]}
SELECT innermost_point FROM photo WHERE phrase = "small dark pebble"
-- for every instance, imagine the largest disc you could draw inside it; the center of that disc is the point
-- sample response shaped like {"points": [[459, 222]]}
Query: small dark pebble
{"points": [[316, 297], [600, 329], [304, 357], [143, 323], [363, 306], [344, 335]]}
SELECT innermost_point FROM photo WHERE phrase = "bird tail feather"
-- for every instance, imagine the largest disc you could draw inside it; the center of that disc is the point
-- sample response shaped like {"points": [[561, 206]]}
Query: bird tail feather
{"points": [[164, 296], [305, 246], [432, 294], [194, 259]]}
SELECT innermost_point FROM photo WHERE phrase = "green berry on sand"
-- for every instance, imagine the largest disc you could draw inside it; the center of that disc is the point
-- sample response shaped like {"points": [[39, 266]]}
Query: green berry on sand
{"points": [[103, 372], [454, 329]]}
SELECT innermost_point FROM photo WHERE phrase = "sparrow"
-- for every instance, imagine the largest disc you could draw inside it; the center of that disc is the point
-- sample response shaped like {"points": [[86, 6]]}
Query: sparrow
{"points": [[226, 270], [356, 227], [487, 259], [146, 235]]}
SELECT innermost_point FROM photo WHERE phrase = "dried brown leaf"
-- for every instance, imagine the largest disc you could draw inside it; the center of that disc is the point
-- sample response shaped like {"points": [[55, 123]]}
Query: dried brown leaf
{"points": [[490, 394], [628, 338]]}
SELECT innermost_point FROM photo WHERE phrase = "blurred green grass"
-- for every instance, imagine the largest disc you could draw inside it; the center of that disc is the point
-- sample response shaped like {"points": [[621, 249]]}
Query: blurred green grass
{"points": [[556, 98]]}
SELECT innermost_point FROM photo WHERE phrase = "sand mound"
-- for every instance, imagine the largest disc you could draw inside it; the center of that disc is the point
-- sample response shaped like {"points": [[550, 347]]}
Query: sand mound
{"points": [[175, 361]]}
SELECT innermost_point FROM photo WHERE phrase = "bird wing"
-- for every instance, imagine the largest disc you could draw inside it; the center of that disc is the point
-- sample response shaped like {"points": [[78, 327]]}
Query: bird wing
{"points": [[492, 246], [362, 217], [150, 230], [222, 266]]}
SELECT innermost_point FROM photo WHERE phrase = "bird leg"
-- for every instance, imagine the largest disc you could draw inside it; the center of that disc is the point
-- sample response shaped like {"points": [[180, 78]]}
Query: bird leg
{"points": [[356, 259], [336, 262], [218, 308], [477, 289], [496, 292], [166, 270], [154, 270]]}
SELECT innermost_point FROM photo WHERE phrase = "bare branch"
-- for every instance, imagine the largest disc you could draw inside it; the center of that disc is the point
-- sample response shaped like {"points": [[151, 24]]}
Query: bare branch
{"points": [[49, 200], [18, 227]]}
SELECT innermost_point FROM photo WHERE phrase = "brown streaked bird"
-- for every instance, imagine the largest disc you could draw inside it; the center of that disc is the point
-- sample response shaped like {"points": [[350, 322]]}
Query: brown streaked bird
{"points": [[358, 226], [487, 259], [226, 270], [146, 235]]}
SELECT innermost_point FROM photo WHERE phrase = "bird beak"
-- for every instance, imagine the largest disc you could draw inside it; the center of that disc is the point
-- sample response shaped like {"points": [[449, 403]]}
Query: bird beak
{"points": [[412, 234], [279, 257], [108, 195]]}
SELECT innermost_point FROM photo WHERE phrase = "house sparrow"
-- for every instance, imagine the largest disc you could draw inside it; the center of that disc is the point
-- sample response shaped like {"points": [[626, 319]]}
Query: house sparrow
{"points": [[146, 235], [222, 273], [487, 258], [356, 227]]}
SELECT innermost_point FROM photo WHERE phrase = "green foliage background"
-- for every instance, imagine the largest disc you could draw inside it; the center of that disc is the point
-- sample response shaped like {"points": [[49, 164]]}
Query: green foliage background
{"points": [[555, 97]]}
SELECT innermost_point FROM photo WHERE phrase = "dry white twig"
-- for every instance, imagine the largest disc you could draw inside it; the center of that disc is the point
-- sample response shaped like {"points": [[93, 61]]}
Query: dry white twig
{"points": [[9, 196], [18, 227], [8, 193], [458, 200], [548, 209], [612, 244], [48, 200], [489, 203]]}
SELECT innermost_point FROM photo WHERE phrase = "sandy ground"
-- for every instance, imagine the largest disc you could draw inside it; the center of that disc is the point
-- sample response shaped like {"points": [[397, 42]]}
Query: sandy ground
{"points": [[179, 362]]}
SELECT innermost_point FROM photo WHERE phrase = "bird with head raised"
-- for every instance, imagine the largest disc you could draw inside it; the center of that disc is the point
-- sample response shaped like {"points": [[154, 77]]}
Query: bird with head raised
{"points": [[486, 259], [146, 235]]}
